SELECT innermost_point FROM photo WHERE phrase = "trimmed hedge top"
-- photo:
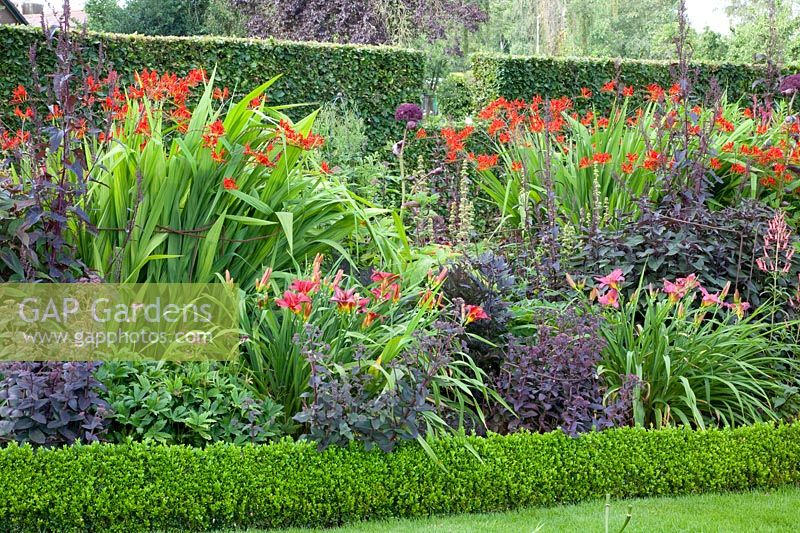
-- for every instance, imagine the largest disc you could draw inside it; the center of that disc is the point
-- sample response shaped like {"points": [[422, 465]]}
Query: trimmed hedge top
{"points": [[524, 76], [375, 79], [136, 486]]}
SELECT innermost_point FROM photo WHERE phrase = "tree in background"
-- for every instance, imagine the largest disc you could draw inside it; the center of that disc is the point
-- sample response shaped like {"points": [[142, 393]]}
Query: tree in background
{"points": [[751, 34], [615, 28], [366, 22], [222, 18], [148, 17]]}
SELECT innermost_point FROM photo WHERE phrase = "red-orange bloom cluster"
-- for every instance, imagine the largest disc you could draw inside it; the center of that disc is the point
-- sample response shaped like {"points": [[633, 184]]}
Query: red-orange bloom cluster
{"points": [[295, 138], [485, 161], [19, 95], [455, 141], [214, 131]]}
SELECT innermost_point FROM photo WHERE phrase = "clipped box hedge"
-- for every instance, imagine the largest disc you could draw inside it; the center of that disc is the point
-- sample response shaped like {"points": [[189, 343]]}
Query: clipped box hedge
{"points": [[524, 76], [136, 486], [375, 79]]}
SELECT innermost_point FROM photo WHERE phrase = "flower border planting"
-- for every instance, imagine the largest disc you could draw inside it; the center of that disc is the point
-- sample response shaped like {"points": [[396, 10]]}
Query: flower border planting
{"points": [[124, 487]]}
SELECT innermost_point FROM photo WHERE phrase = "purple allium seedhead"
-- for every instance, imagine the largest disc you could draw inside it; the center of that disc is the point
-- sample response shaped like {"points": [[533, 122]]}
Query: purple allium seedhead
{"points": [[409, 113]]}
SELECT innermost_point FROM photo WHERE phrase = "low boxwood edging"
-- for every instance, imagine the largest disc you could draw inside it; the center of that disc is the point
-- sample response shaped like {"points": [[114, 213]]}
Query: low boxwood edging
{"points": [[138, 486]]}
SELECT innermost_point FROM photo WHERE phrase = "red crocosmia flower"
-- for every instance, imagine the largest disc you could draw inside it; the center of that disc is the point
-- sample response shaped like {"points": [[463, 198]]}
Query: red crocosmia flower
{"points": [[229, 184], [295, 302], [213, 132], [421, 133], [611, 280], [221, 94], [93, 85], [325, 168], [516, 166], [19, 95], [346, 299], [24, 115], [585, 162], [472, 313], [724, 124], [601, 158], [608, 87], [143, 127], [652, 160], [627, 167], [715, 163], [610, 299], [196, 76], [654, 92], [631, 157], [256, 102], [585, 92], [602, 122], [218, 156], [216, 128], [496, 125], [304, 286], [55, 112], [485, 161], [738, 168], [10, 142], [627, 91], [675, 92], [81, 128]]}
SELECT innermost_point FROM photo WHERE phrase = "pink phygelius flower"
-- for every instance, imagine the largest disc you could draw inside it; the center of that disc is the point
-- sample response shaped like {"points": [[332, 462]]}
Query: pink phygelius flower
{"points": [[610, 298], [778, 251], [611, 280], [680, 287]]}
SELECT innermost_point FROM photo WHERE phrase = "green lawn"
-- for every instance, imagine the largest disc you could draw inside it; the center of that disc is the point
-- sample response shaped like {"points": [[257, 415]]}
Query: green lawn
{"points": [[747, 512]]}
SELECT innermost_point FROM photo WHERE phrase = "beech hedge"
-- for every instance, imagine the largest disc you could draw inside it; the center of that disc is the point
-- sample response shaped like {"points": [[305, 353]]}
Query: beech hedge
{"points": [[138, 486], [524, 76], [373, 78]]}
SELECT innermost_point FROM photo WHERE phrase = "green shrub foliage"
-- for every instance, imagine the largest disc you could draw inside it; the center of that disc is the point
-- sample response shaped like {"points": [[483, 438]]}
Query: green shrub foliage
{"points": [[374, 79], [139, 486], [525, 76], [456, 98]]}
